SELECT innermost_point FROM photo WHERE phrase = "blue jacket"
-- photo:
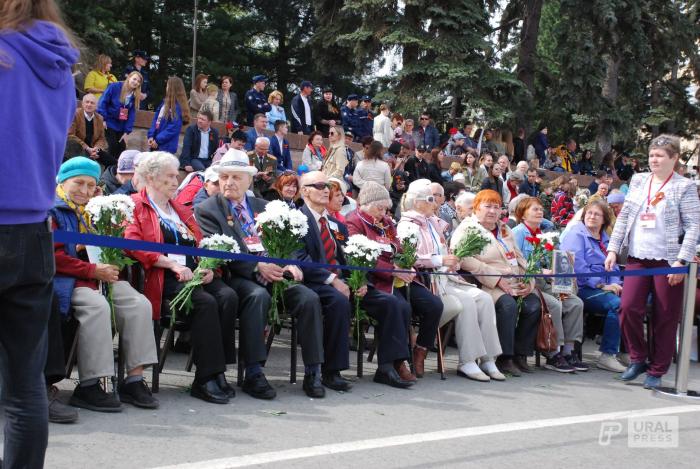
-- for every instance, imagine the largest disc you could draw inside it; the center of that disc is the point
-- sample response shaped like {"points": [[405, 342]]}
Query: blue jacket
{"points": [[428, 136], [366, 127], [192, 141], [252, 135], [38, 77], [541, 145], [110, 105], [63, 286], [533, 190], [284, 157], [255, 103], [588, 256], [273, 115], [350, 119], [299, 115], [520, 232], [167, 132]]}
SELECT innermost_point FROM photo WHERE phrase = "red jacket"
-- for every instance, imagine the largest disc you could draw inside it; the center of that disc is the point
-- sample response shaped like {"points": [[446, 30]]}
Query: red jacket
{"points": [[146, 227], [383, 281]]}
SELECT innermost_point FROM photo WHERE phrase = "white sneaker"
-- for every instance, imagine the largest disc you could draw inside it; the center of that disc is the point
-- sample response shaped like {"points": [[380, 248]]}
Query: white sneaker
{"points": [[608, 362], [472, 371], [489, 367]]}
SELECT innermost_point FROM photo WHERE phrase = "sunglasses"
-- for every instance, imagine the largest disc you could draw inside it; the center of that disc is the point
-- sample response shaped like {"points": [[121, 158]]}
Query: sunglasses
{"points": [[428, 198], [332, 133], [425, 118], [661, 142], [319, 186]]}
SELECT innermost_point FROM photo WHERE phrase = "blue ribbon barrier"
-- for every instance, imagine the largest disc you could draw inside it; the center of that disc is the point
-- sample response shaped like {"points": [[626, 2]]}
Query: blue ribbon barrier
{"points": [[69, 237]]}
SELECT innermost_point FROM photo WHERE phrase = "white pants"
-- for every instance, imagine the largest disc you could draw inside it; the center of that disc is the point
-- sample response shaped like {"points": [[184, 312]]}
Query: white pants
{"points": [[95, 343], [475, 321]]}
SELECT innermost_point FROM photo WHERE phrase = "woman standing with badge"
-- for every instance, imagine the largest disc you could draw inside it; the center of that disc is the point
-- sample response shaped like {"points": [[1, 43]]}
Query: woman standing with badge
{"points": [[659, 223], [118, 107]]}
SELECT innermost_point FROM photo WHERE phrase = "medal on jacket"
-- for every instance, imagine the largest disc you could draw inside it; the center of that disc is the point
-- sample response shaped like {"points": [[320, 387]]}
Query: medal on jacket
{"points": [[229, 220]]}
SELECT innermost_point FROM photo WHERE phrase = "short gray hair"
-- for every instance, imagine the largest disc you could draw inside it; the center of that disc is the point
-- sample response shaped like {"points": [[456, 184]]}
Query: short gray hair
{"points": [[152, 163], [464, 198], [260, 140]]}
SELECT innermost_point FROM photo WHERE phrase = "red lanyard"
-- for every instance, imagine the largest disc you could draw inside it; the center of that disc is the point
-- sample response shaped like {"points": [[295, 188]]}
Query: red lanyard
{"points": [[651, 180]]}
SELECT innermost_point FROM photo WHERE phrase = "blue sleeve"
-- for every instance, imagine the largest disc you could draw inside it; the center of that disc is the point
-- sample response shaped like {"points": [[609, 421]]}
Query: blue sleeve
{"points": [[186, 154], [250, 142], [169, 129], [152, 130], [103, 105], [547, 225], [519, 235]]}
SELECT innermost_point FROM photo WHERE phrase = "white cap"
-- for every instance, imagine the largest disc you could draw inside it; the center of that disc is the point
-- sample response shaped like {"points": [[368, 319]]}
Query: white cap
{"points": [[235, 160], [211, 175]]}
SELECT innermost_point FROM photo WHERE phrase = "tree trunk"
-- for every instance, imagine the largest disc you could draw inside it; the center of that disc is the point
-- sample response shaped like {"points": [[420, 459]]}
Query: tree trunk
{"points": [[454, 109], [410, 52], [609, 93], [655, 102], [526, 58]]}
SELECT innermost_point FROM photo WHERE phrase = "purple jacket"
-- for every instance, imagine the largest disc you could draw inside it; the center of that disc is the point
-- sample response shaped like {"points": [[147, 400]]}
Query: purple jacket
{"points": [[588, 256], [38, 75]]}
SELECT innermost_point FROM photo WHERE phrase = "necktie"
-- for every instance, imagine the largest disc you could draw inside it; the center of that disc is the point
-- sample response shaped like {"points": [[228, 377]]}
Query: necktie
{"points": [[243, 218], [327, 241]]}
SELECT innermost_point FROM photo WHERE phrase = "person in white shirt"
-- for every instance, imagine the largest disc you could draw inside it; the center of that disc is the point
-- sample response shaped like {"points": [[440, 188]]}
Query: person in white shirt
{"points": [[382, 127]]}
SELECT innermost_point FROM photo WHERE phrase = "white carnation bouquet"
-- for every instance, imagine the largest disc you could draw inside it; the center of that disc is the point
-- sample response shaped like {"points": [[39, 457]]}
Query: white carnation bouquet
{"points": [[216, 242], [408, 234], [109, 215], [474, 240], [360, 251], [282, 229]]}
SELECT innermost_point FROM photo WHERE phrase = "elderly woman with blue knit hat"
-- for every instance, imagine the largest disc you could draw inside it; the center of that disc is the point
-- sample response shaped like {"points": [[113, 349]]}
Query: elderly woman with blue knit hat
{"points": [[77, 284]]}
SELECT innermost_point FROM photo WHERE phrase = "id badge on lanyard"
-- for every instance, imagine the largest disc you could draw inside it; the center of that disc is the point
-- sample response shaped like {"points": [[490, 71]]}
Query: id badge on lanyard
{"points": [[647, 220], [179, 258], [253, 244], [385, 244], [512, 259]]}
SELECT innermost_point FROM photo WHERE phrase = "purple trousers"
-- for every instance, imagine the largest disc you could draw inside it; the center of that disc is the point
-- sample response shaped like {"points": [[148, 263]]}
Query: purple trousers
{"points": [[667, 302]]}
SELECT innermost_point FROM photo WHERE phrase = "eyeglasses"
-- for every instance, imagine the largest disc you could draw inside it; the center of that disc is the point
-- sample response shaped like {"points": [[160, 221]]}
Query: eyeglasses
{"points": [[319, 186], [491, 207], [332, 133], [427, 198]]}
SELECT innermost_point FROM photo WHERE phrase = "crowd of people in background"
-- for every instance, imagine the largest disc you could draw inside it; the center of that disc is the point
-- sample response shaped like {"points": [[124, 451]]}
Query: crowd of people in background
{"points": [[363, 173]]}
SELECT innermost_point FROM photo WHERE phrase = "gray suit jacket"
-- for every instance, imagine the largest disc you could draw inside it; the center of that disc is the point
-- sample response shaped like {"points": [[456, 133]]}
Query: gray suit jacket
{"points": [[681, 216], [214, 217]]}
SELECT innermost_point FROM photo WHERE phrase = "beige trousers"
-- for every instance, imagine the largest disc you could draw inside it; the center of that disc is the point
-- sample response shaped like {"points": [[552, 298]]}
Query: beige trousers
{"points": [[95, 342], [475, 321]]}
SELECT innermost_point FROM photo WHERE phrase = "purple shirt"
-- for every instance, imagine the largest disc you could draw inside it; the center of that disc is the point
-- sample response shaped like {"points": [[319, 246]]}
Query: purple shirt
{"points": [[589, 256]]}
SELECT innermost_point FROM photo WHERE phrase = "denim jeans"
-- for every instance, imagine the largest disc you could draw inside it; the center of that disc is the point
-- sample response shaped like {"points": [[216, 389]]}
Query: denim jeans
{"points": [[26, 273], [603, 303]]}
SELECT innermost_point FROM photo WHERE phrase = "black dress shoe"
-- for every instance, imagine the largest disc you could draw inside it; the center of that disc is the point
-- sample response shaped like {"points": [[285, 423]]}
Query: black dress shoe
{"points": [[391, 378], [224, 386], [258, 387], [209, 391], [313, 386], [334, 381]]}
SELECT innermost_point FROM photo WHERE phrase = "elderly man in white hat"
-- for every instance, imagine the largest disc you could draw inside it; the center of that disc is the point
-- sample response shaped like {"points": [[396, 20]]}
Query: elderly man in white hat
{"points": [[232, 212]]}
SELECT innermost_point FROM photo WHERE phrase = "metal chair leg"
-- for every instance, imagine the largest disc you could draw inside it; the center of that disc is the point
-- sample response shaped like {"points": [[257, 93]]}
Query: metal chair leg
{"points": [[361, 351], [440, 357], [155, 380], [190, 361], [293, 352], [169, 340]]}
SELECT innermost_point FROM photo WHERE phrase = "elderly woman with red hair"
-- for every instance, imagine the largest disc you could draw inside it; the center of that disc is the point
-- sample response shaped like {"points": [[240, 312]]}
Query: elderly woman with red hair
{"points": [[286, 187], [516, 321]]}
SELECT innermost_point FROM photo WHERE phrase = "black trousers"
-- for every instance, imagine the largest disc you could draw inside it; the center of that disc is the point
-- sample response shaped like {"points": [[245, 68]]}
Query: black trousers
{"points": [[115, 147], [212, 328], [393, 316], [336, 324], [428, 308], [26, 272], [55, 369], [299, 301], [517, 327]]}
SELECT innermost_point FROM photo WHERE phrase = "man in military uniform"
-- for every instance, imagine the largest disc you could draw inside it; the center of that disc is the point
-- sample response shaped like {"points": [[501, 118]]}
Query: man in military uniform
{"points": [[266, 165], [348, 114], [255, 99], [140, 64], [366, 119]]}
